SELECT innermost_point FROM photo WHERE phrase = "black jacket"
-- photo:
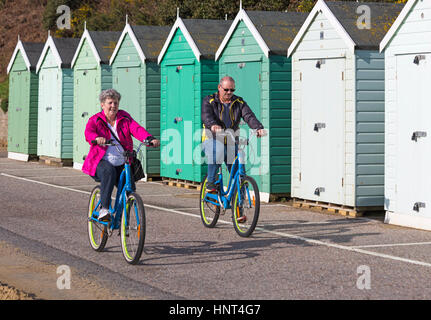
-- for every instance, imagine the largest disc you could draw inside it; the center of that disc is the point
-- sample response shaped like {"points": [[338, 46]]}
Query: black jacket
{"points": [[212, 113]]}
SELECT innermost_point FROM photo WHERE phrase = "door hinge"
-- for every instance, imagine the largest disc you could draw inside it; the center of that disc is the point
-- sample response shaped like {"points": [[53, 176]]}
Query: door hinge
{"points": [[300, 76], [342, 182], [300, 176], [260, 77], [342, 75]]}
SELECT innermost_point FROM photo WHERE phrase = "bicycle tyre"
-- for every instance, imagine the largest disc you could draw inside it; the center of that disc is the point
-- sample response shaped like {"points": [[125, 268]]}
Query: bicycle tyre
{"points": [[97, 242], [245, 229], [133, 234], [206, 212]]}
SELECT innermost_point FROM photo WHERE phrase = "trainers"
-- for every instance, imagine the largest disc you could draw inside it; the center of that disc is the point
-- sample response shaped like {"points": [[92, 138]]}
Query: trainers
{"points": [[104, 215], [242, 219]]}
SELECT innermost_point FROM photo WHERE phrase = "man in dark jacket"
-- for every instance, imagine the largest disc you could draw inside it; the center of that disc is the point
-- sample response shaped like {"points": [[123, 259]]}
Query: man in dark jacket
{"points": [[222, 111]]}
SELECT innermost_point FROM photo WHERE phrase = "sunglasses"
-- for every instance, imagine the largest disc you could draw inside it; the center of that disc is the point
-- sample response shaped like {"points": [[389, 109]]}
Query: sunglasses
{"points": [[226, 90]]}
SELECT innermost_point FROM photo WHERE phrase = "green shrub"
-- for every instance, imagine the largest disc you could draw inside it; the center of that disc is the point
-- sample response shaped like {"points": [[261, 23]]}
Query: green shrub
{"points": [[4, 105]]}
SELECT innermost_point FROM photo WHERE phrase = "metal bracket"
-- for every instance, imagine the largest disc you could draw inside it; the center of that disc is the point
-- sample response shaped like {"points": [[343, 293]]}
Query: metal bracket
{"points": [[318, 191], [319, 125], [178, 119], [178, 171], [418, 134], [319, 63], [179, 68], [418, 205], [84, 114], [418, 58]]}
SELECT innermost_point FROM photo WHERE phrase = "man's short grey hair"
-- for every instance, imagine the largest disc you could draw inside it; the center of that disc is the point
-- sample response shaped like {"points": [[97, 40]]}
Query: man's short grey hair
{"points": [[109, 94], [226, 78]]}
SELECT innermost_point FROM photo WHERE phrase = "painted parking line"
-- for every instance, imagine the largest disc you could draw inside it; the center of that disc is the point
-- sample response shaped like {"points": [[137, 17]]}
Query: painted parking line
{"points": [[393, 245], [281, 234]]}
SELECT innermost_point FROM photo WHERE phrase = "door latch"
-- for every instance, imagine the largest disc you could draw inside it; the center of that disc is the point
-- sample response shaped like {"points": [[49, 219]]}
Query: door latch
{"points": [[84, 114], [318, 191], [48, 108], [178, 171], [418, 134], [318, 126], [418, 205]]}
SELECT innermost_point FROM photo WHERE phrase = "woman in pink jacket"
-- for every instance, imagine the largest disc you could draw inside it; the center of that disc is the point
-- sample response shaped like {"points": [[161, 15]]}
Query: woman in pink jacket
{"points": [[105, 163]]}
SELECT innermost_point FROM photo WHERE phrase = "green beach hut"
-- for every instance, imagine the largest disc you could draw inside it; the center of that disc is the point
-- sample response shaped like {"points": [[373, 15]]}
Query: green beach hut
{"points": [[188, 73], [23, 99], [91, 74], [55, 111], [253, 52], [136, 75]]}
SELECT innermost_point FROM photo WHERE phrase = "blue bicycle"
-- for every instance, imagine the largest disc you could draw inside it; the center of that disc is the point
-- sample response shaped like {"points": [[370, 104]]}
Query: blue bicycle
{"points": [[241, 196], [128, 214]]}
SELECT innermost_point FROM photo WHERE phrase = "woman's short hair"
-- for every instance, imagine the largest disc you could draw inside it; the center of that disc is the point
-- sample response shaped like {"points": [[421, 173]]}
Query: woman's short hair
{"points": [[109, 94]]}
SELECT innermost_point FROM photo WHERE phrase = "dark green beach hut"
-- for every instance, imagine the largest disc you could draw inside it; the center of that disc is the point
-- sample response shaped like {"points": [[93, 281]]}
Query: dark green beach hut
{"points": [[188, 74]]}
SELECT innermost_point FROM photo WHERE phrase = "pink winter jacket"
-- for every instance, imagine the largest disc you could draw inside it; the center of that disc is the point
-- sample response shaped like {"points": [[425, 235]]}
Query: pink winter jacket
{"points": [[126, 128]]}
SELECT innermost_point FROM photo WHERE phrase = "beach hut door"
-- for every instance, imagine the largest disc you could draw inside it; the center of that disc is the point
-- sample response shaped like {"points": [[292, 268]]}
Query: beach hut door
{"points": [[322, 129], [413, 129]]}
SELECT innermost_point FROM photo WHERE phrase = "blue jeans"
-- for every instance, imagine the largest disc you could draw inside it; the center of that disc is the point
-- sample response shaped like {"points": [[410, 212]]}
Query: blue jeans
{"points": [[217, 152], [108, 176]]}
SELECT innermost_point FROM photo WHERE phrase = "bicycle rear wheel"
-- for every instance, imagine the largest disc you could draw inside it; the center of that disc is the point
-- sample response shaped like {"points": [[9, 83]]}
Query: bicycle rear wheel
{"points": [[97, 232], [133, 229], [209, 212], [245, 211]]}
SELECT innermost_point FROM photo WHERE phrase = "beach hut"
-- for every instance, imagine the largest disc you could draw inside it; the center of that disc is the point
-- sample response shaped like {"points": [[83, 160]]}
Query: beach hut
{"points": [[253, 52], [91, 74], [338, 105], [23, 96], [407, 48], [188, 74], [55, 111], [136, 75]]}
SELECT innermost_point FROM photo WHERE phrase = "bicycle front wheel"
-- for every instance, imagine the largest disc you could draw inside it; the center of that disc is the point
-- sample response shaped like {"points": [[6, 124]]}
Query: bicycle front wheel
{"points": [[209, 211], [133, 229], [97, 232], [246, 207]]}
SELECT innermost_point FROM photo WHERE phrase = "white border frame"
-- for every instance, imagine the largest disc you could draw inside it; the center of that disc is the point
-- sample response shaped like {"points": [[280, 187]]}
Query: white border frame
{"points": [[49, 44], [179, 24], [242, 16], [397, 24], [128, 30], [323, 8], [86, 35], [19, 47]]}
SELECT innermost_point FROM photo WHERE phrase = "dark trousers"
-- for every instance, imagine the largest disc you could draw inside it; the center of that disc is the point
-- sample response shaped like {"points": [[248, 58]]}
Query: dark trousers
{"points": [[108, 176]]}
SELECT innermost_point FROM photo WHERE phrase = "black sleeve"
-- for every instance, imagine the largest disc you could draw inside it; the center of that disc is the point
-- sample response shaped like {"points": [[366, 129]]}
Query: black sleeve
{"points": [[249, 117], [208, 116]]}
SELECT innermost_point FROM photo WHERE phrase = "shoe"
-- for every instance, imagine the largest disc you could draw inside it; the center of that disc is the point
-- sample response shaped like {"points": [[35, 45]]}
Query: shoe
{"points": [[242, 219], [211, 188], [104, 215]]}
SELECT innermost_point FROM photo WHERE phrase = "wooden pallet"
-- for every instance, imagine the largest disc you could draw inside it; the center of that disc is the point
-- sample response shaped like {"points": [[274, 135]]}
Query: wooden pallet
{"points": [[55, 162], [186, 184], [332, 208]]}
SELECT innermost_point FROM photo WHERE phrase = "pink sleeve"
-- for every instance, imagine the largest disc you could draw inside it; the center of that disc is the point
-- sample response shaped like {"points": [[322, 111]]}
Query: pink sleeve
{"points": [[138, 131], [90, 131]]}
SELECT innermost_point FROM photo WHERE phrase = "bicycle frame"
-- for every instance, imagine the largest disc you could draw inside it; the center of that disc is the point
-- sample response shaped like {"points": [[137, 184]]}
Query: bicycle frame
{"points": [[124, 187], [224, 198]]}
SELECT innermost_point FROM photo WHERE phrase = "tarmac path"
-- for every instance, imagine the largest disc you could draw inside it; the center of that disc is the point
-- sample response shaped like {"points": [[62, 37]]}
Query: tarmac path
{"points": [[293, 254]]}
